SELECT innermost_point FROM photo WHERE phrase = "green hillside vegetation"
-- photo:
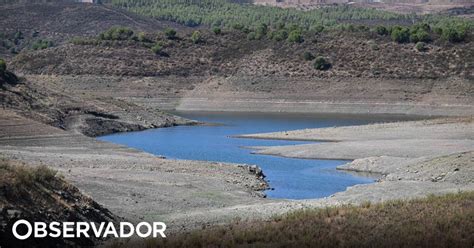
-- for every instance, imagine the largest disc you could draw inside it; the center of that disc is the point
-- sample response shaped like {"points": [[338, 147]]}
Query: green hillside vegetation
{"points": [[292, 24], [227, 14]]}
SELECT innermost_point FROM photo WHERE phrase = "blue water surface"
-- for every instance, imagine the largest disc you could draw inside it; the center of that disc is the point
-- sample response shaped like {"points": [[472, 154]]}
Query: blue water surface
{"points": [[290, 178]]}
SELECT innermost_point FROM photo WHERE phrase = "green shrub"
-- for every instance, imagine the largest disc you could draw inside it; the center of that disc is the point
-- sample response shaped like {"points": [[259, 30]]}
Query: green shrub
{"points": [[438, 30], [421, 46], [84, 41], [279, 35], [420, 35], [321, 64], [252, 36], [381, 30], [3, 66], [18, 35], [261, 31], [217, 30], [317, 28], [246, 30], [455, 33], [170, 33], [117, 33], [157, 48], [294, 27], [41, 44], [196, 37], [308, 56], [279, 25], [142, 37], [420, 32], [238, 26], [295, 36], [400, 34]]}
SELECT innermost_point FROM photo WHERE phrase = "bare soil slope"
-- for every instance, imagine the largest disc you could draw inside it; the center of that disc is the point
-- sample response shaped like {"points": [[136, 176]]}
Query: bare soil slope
{"points": [[79, 113], [54, 199], [226, 71]]}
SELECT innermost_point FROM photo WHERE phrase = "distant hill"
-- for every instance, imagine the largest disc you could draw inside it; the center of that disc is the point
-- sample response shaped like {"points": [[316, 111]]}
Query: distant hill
{"points": [[21, 25], [403, 6]]}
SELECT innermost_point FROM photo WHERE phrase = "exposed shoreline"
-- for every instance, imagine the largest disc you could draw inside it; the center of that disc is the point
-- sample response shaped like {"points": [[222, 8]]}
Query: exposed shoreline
{"points": [[321, 107], [132, 184], [437, 158], [121, 178]]}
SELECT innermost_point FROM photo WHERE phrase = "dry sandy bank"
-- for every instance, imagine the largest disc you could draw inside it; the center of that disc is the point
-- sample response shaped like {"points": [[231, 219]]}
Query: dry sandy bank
{"points": [[130, 183]]}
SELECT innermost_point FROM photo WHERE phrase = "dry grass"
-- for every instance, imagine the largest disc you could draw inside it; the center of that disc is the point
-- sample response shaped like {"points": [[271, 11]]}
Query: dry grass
{"points": [[17, 174], [436, 221]]}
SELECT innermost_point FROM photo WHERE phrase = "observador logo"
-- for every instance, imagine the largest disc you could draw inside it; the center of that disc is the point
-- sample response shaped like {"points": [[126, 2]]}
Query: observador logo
{"points": [[87, 229]]}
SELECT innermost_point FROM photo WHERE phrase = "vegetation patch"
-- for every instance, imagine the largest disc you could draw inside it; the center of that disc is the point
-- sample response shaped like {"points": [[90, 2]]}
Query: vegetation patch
{"points": [[257, 21], [42, 44], [435, 221], [321, 63], [421, 47], [3, 66]]}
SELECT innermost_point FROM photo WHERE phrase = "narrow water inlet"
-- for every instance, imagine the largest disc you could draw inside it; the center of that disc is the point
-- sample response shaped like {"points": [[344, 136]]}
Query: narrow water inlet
{"points": [[288, 177]]}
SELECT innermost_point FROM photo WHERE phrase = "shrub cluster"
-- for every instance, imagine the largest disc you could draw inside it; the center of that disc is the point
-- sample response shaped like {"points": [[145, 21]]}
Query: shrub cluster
{"points": [[400, 34], [117, 33], [453, 32], [41, 44]]}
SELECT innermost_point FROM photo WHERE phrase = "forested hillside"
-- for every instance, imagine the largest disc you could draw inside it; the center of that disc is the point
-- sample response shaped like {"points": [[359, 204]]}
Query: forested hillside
{"points": [[226, 13], [281, 24]]}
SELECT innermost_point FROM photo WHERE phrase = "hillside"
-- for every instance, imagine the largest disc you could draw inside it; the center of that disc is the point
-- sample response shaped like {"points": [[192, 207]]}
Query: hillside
{"points": [[229, 66], [241, 63], [21, 25], [84, 115], [54, 199], [400, 6], [70, 70]]}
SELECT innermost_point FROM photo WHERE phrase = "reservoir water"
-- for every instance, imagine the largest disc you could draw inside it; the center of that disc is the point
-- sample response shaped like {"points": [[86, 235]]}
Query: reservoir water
{"points": [[290, 178]]}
